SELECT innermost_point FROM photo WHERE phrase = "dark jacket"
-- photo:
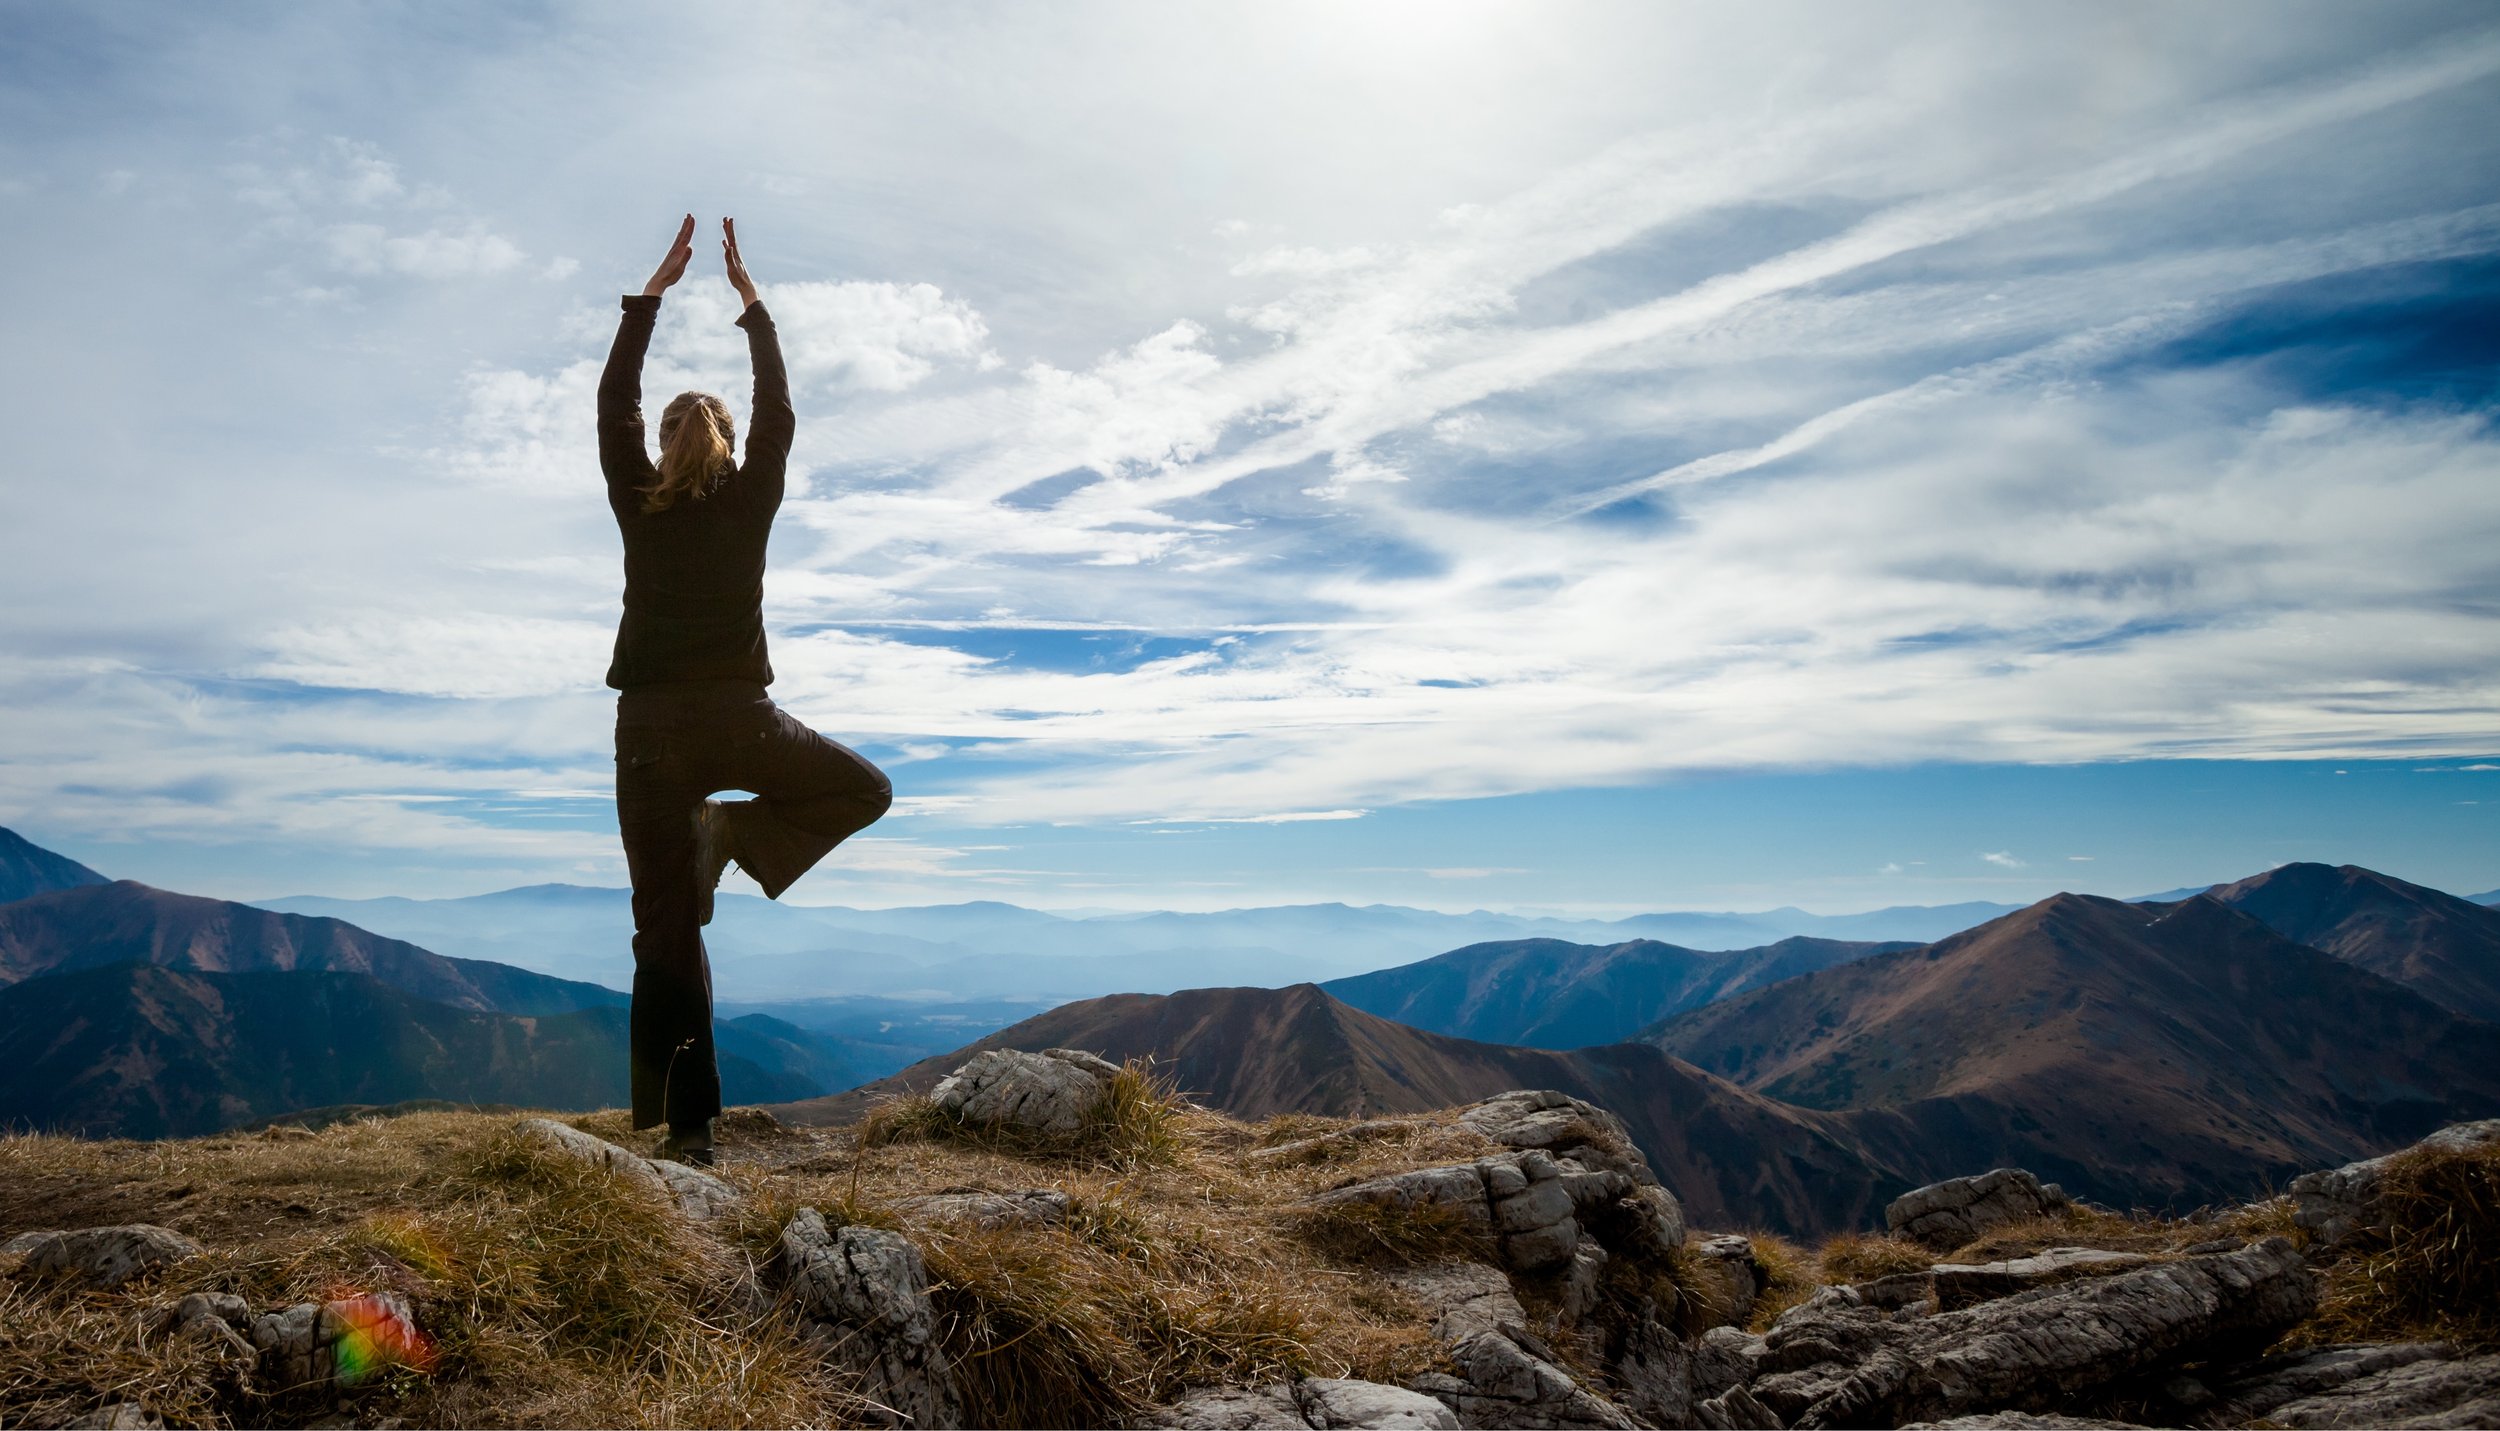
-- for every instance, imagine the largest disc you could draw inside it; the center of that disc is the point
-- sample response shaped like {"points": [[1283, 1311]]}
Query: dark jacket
{"points": [[694, 574]]}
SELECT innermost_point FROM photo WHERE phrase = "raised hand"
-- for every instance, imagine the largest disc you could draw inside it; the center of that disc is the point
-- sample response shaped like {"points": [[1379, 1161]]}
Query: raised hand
{"points": [[737, 266], [673, 267]]}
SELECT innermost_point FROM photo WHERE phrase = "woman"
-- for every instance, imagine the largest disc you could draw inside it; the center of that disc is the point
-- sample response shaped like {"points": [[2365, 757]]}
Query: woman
{"points": [[692, 717]]}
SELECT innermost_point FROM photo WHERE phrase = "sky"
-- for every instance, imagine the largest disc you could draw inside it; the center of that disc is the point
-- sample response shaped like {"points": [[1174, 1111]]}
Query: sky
{"points": [[1570, 457]]}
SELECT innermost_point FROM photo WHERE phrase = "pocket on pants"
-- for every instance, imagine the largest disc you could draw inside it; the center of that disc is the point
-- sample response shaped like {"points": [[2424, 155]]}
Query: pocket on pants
{"points": [[638, 748]]}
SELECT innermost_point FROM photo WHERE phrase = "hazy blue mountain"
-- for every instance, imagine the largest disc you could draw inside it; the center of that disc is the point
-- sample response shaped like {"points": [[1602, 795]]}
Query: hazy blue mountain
{"points": [[990, 950], [145, 1051], [1546, 993], [2170, 896], [2487, 897], [27, 868]]}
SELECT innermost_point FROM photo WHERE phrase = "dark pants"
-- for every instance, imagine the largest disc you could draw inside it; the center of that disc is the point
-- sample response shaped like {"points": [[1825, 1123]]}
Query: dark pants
{"points": [[675, 745]]}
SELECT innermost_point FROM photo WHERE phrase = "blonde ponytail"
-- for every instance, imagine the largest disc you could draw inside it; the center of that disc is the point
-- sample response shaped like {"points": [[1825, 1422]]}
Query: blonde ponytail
{"points": [[695, 437]]}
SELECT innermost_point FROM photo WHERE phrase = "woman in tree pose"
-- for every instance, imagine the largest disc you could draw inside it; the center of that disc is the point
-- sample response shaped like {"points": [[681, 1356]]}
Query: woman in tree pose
{"points": [[691, 715]]}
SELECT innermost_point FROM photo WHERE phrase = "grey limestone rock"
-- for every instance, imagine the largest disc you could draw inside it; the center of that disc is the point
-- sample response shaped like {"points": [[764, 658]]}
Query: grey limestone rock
{"points": [[1506, 1377], [1458, 1187], [1952, 1212], [1231, 1408], [1960, 1284], [1055, 1092], [1736, 1409], [2248, 1390], [863, 1293], [695, 1193], [1031, 1207], [1652, 1370], [2020, 1421], [1838, 1362], [2459, 1392], [1561, 1125], [1724, 1357], [101, 1257], [1330, 1404], [2338, 1202], [1731, 1261], [308, 1347]]}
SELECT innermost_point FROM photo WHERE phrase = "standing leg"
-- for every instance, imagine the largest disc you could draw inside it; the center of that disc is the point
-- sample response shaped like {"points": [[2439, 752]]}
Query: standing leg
{"points": [[676, 1077], [811, 794]]}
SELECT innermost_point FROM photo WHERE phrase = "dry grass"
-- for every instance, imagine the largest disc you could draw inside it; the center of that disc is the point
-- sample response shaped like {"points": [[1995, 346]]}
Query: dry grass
{"points": [[1863, 1257], [1788, 1277], [2433, 1273], [1137, 1124]]}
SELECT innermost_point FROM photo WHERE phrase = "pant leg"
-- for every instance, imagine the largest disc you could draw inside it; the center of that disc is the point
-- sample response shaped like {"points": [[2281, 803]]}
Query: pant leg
{"points": [[676, 1076], [811, 794]]}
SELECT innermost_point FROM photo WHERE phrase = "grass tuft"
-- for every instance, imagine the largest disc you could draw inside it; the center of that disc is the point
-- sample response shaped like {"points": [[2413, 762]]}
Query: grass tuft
{"points": [[1863, 1257], [1788, 1277], [1382, 1235], [2432, 1271]]}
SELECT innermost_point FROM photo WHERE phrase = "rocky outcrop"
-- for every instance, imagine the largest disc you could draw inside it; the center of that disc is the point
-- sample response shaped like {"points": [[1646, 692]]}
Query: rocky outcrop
{"points": [[862, 1294], [2461, 1392], [694, 1192], [100, 1257], [1950, 1213], [2336, 1203], [1958, 1285], [1506, 1375], [1834, 1361], [1562, 1125], [1537, 1208], [1055, 1092]]}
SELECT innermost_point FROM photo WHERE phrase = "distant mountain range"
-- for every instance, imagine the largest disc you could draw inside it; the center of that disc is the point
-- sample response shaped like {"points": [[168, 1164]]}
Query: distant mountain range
{"points": [[763, 951], [1546, 993]]}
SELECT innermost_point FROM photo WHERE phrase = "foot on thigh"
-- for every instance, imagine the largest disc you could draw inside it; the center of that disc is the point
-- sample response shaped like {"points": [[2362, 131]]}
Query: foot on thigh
{"points": [[711, 854]]}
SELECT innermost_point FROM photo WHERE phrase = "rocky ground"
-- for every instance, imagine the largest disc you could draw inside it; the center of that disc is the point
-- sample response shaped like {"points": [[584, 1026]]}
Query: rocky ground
{"points": [[1045, 1239]]}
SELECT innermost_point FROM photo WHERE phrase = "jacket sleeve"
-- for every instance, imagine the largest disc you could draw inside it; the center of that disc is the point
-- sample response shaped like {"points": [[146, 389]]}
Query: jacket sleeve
{"points": [[772, 421], [622, 456]]}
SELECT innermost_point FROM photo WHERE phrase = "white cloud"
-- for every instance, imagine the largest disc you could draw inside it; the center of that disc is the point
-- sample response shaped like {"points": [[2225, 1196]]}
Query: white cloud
{"points": [[2003, 859]]}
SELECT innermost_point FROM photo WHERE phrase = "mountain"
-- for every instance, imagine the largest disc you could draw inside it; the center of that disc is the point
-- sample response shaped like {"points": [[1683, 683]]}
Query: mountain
{"points": [[27, 868], [1735, 1158], [1548, 993], [126, 922], [2143, 1055], [143, 1051], [2487, 897], [990, 950], [2444, 948]]}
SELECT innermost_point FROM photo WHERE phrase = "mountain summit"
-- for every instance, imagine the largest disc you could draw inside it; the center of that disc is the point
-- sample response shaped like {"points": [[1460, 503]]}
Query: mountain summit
{"points": [[27, 868], [2444, 948]]}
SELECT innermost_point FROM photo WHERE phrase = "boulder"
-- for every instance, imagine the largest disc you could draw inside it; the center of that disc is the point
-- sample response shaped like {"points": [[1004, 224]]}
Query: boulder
{"points": [[1835, 1361], [1460, 1188], [2338, 1202], [1532, 1209], [862, 1294], [100, 1257], [321, 1347], [692, 1191], [1032, 1207], [1560, 1124], [1960, 1284], [2462, 1392], [1328, 1403], [1055, 1093], [1947, 1214], [1230, 1408]]}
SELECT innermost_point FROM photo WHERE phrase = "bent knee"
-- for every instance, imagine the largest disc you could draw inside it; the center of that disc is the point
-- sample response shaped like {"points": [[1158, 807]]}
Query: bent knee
{"points": [[880, 797]]}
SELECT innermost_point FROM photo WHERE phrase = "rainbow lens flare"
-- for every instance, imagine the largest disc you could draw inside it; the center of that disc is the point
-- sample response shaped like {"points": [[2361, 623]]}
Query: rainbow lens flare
{"points": [[373, 1335]]}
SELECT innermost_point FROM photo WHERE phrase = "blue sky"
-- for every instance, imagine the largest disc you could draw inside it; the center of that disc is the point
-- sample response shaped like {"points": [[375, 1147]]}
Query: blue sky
{"points": [[1579, 457]]}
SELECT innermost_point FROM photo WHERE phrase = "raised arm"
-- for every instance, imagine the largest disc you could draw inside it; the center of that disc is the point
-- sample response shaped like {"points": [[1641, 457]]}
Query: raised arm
{"points": [[622, 455], [772, 421]]}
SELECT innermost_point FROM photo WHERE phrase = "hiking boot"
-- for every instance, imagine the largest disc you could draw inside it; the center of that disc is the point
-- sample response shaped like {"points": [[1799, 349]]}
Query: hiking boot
{"points": [[692, 1146], [711, 855]]}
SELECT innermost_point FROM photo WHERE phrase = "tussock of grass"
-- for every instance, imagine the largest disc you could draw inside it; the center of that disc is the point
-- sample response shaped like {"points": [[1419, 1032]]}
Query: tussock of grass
{"points": [[1788, 1277], [2433, 1271], [1136, 1124], [1380, 1235], [1863, 1257]]}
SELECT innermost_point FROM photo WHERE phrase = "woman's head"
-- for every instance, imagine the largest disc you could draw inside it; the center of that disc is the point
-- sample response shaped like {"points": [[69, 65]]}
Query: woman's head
{"points": [[695, 438]]}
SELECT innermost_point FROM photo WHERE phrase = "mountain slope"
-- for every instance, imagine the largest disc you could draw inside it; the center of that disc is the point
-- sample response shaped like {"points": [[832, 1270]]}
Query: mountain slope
{"points": [[1546, 993], [141, 1051], [27, 868], [2444, 948], [126, 922], [1734, 1157], [2143, 1054]]}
